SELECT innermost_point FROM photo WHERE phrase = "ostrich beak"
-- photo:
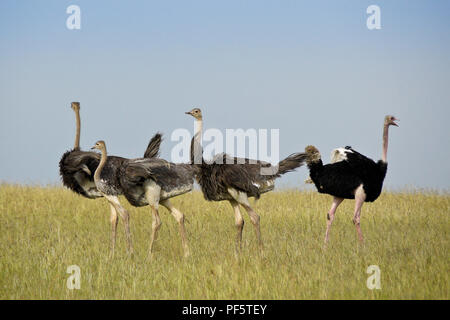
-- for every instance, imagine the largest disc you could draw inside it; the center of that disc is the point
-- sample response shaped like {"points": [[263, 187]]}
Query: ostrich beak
{"points": [[394, 123], [93, 148], [188, 112]]}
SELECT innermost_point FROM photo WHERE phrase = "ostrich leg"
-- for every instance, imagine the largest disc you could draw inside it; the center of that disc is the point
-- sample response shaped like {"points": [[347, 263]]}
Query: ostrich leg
{"points": [[239, 223], [114, 222], [330, 217], [254, 218], [242, 199], [155, 227], [179, 216], [152, 193], [125, 216], [360, 197]]}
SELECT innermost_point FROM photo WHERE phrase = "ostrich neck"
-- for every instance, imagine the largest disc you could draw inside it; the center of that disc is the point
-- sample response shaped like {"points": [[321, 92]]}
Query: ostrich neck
{"points": [[385, 142], [198, 128], [197, 153], [99, 169], [77, 134]]}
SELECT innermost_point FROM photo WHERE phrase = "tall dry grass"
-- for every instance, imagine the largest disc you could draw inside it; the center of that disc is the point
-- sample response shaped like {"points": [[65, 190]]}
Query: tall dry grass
{"points": [[43, 230]]}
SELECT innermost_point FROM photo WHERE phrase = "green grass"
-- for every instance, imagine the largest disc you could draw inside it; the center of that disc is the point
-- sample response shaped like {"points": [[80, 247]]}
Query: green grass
{"points": [[45, 230]]}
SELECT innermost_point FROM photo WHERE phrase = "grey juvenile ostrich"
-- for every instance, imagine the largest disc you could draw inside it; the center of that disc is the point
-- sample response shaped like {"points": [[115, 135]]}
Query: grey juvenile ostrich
{"points": [[77, 167], [143, 182], [351, 175], [235, 179]]}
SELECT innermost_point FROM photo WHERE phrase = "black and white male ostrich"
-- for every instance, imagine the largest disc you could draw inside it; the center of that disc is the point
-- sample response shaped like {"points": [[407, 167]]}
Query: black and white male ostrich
{"points": [[236, 179], [143, 182], [351, 175], [77, 167]]}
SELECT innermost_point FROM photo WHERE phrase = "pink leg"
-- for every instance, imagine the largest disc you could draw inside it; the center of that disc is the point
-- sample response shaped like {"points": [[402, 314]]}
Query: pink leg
{"points": [[360, 197], [330, 216]]}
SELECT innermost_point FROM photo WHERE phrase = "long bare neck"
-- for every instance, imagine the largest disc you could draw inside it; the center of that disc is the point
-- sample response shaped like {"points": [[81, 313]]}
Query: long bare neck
{"points": [[198, 126], [385, 142], [99, 169], [77, 134], [197, 153]]}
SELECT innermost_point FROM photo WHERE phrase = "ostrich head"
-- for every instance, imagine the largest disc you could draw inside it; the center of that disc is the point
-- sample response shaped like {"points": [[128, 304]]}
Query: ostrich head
{"points": [[390, 121], [196, 113], [99, 145], [75, 106], [312, 153]]}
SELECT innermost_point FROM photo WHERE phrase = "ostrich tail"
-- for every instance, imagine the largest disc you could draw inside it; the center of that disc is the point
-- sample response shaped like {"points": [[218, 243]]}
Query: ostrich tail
{"points": [[292, 162], [152, 150], [312, 154]]}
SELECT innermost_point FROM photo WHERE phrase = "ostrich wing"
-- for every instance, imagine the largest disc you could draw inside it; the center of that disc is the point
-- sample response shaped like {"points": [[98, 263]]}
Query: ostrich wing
{"points": [[166, 174], [243, 177], [362, 166], [73, 161], [223, 158], [77, 170], [355, 157], [339, 154], [239, 173]]}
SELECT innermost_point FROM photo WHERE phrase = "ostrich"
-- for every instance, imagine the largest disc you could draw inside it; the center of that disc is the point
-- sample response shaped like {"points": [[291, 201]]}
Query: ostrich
{"points": [[143, 182], [351, 175], [236, 179], [77, 167]]}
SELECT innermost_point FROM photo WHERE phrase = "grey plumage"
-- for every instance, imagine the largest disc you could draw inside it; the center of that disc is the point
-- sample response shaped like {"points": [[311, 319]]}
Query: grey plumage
{"points": [[128, 177], [173, 179], [253, 177], [241, 174], [109, 182], [77, 167], [153, 147], [236, 179], [143, 182]]}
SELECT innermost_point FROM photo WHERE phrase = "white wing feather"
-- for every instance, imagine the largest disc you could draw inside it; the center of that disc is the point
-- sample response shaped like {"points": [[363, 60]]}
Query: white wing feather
{"points": [[339, 154]]}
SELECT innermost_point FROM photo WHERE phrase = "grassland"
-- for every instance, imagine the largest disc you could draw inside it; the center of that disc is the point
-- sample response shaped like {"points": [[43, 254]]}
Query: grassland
{"points": [[45, 230]]}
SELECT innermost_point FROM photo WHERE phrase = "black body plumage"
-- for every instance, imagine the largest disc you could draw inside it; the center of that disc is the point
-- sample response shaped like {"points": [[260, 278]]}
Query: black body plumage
{"points": [[341, 179], [76, 169]]}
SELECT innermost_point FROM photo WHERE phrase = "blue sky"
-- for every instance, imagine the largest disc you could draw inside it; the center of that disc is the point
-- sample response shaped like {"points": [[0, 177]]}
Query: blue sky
{"points": [[309, 68]]}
